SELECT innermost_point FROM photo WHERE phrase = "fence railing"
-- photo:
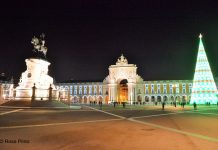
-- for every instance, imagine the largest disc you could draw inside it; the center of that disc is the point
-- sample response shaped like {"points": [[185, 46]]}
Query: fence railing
{"points": [[37, 94]]}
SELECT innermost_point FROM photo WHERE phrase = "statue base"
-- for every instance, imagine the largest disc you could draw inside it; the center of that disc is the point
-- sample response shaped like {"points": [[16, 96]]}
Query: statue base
{"points": [[35, 75]]}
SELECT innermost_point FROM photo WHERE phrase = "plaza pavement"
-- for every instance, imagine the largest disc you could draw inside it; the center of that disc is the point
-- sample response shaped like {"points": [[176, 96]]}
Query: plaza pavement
{"points": [[109, 128]]}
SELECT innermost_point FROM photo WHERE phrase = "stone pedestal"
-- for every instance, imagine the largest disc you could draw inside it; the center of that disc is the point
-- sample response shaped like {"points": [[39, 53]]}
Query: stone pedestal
{"points": [[36, 73]]}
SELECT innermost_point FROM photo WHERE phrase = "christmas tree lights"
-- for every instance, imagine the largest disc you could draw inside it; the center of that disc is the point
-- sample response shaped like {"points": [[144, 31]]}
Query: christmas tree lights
{"points": [[204, 89]]}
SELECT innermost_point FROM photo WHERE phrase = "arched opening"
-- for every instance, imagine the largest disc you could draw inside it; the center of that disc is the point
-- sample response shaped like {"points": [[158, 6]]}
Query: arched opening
{"points": [[189, 98], [172, 98], [184, 99], [146, 99], [85, 100], [100, 99], [95, 99], [152, 98], [165, 98], [75, 99], [177, 99], [80, 100], [90, 99], [123, 91], [158, 98], [106, 99], [139, 99]]}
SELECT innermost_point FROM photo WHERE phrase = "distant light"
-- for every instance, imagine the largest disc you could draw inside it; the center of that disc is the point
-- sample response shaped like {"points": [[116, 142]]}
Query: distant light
{"points": [[200, 36]]}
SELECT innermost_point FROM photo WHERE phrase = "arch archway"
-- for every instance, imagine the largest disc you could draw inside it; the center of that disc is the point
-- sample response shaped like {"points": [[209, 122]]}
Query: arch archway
{"points": [[189, 98], [172, 98], [178, 99], [106, 99], [100, 98], [159, 99], [139, 99], [165, 98], [85, 100], [184, 98], [75, 99], [90, 98], [146, 99], [123, 91], [95, 99], [153, 98], [80, 100]]}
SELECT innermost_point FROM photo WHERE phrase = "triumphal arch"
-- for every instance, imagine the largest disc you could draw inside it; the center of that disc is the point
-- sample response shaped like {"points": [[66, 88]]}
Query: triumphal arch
{"points": [[120, 84]]}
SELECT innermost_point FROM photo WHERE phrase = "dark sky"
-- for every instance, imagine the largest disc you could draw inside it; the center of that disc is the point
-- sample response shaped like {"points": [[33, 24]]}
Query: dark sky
{"points": [[84, 37]]}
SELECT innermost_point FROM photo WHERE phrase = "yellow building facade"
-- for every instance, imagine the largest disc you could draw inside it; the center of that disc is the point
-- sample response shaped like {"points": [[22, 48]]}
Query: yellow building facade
{"points": [[123, 84]]}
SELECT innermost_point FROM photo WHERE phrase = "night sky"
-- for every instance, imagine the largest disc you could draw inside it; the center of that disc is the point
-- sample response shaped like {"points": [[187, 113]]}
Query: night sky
{"points": [[84, 37]]}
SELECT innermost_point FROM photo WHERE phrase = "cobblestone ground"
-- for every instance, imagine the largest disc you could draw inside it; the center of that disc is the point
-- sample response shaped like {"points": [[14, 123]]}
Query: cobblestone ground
{"points": [[139, 127]]}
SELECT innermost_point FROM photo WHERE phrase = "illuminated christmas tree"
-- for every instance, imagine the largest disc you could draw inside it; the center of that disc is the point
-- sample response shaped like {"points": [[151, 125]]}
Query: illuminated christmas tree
{"points": [[204, 89]]}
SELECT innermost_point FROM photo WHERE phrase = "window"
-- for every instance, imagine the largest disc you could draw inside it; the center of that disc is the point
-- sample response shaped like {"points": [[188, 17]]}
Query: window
{"points": [[95, 89], [165, 88], [146, 88], [85, 90], [158, 88], [90, 90], [100, 90], [71, 90], [75, 90], [171, 89], [80, 90], [183, 88], [152, 88], [190, 87], [177, 88]]}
